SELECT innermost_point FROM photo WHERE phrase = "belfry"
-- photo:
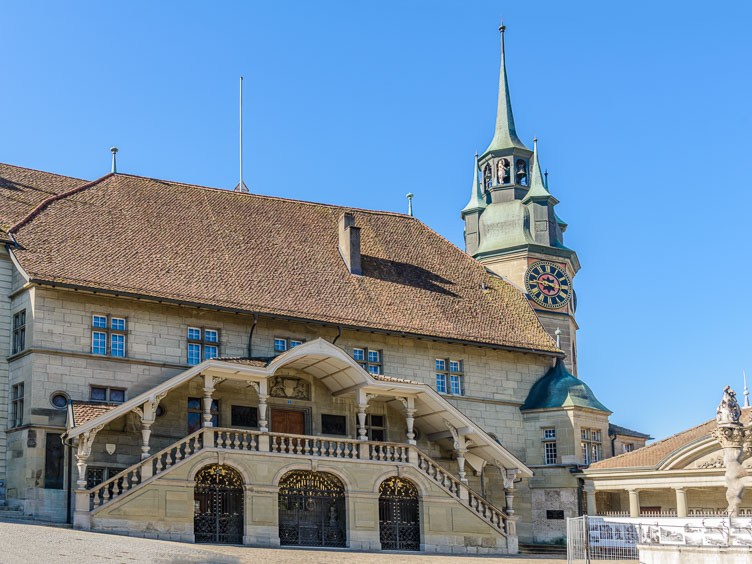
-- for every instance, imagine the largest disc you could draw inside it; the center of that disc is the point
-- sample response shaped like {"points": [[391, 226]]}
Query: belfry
{"points": [[512, 228]]}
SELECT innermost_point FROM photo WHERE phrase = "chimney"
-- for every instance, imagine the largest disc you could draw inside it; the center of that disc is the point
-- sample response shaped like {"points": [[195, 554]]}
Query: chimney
{"points": [[349, 242]]}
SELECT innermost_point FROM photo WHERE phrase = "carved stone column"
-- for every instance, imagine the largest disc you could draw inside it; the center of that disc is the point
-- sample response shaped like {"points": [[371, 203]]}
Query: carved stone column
{"points": [[735, 441], [363, 399], [83, 452], [681, 502], [409, 403], [460, 449], [634, 503], [263, 395], [591, 506]]}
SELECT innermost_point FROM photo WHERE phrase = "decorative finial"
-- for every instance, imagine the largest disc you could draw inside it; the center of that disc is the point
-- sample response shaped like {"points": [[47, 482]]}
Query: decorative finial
{"points": [[558, 338], [502, 27], [545, 179], [746, 391], [409, 197], [114, 151]]}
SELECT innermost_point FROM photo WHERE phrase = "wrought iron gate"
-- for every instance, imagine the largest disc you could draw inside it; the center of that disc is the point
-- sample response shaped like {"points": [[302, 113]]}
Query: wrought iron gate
{"points": [[218, 505], [311, 510], [399, 517]]}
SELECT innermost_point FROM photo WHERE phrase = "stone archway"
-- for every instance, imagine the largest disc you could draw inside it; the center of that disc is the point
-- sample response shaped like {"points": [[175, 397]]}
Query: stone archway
{"points": [[312, 510], [218, 505], [399, 515]]}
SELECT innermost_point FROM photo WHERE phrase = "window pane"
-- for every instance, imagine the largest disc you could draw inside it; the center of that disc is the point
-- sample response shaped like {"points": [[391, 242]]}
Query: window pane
{"points": [[214, 406], [373, 356], [280, 345], [243, 416], [99, 342], [194, 334], [440, 364], [215, 420], [194, 422], [210, 351], [118, 324], [359, 354], [377, 434], [454, 366], [194, 403], [376, 420], [441, 383], [374, 369], [99, 394], [117, 396], [211, 335], [194, 353], [99, 321], [455, 382], [294, 343], [118, 345], [333, 424]]}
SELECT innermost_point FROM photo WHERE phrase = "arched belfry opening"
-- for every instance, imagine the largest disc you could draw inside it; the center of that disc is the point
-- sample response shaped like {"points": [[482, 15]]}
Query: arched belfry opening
{"points": [[312, 510], [399, 515], [218, 505]]}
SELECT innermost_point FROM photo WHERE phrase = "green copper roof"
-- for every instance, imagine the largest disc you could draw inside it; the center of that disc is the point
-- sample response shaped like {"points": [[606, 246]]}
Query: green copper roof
{"points": [[538, 190], [477, 200], [505, 136], [558, 388]]}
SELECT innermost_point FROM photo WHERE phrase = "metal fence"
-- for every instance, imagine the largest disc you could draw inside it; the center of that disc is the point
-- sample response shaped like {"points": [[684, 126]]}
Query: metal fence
{"points": [[591, 539]]}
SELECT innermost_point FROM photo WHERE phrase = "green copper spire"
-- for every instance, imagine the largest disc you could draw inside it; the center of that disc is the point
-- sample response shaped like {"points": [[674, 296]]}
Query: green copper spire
{"points": [[538, 189], [505, 136], [477, 200]]}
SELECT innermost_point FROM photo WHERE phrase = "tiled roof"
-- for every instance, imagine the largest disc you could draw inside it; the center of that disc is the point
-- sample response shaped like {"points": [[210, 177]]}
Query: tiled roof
{"points": [[23, 189], [84, 411], [624, 432], [651, 455], [273, 256]]}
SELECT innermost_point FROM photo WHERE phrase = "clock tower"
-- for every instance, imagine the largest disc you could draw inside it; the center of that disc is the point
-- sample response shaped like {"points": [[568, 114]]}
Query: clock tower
{"points": [[512, 228]]}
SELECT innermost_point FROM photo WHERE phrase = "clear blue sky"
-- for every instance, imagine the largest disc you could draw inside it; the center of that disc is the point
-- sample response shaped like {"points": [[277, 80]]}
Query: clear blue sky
{"points": [[642, 110]]}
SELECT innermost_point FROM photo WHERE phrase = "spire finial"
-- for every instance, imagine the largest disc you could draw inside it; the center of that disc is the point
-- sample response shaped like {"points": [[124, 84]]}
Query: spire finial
{"points": [[241, 187], [477, 198], [409, 197], [545, 179], [746, 391], [114, 151]]}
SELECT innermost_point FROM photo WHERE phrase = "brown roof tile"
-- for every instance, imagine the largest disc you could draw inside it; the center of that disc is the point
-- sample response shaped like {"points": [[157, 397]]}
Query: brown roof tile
{"points": [[22, 189], [652, 454], [272, 256], [84, 411]]}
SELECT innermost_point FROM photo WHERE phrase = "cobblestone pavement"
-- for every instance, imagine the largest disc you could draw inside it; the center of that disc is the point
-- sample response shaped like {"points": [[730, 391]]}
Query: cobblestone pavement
{"points": [[31, 543]]}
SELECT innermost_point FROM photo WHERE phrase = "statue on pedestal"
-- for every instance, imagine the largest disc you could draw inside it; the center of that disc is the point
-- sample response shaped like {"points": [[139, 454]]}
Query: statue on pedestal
{"points": [[734, 440]]}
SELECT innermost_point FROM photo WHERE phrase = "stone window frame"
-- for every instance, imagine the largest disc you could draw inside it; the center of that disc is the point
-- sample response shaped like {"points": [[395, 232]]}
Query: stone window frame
{"points": [[370, 427], [19, 331], [203, 343], [448, 373], [337, 415], [107, 393], [233, 424], [371, 360], [286, 343], [590, 442], [16, 405], [550, 454], [110, 333]]}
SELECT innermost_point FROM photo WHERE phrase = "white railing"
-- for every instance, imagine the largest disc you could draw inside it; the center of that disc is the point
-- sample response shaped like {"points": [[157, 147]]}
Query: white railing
{"points": [[295, 445]]}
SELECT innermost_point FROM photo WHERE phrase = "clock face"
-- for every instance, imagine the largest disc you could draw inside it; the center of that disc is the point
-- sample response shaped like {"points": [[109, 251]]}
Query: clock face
{"points": [[548, 284]]}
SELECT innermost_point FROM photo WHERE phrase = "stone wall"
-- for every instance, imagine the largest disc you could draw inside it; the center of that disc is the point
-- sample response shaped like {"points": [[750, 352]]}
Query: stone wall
{"points": [[6, 273]]}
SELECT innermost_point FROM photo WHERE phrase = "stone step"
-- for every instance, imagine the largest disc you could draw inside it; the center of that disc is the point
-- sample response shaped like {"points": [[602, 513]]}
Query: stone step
{"points": [[7, 508], [552, 549]]}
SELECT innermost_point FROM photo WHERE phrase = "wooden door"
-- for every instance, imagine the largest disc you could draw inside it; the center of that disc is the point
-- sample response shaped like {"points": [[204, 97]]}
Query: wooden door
{"points": [[288, 421]]}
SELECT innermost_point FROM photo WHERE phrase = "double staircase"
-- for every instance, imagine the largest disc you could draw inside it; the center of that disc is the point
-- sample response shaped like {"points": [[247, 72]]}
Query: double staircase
{"points": [[303, 446]]}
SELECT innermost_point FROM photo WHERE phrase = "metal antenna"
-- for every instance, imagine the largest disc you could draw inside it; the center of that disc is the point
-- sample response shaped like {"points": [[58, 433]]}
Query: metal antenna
{"points": [[746, 391], [410, 196], [114, 151], [241, 187]]}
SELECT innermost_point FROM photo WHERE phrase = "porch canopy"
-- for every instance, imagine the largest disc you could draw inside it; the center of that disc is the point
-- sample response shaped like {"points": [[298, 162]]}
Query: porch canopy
{"points": [[434, 416]]}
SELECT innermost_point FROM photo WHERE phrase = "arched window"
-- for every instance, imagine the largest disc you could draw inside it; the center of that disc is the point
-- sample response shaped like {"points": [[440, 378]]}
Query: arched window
{"points": [[218, 505], [520, 172], [312, 510], [399, 515]]}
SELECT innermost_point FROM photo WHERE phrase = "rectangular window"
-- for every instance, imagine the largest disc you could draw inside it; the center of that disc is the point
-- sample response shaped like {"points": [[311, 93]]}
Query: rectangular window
{"points": [[16, 405], [369, 360], [196, 414], [104, 393], [333, 424], [591, 447], [628, 447], [108, 335], [550, 452], [53, 462], [376, 427], [282, 344], [454, 376], [19, 331], [549, 434], [203, 344], [243, 416]]}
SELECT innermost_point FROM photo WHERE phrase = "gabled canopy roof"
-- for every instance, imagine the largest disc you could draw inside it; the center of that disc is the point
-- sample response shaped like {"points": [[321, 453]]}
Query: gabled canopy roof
{"points": [[343, 376], [558, 388], [242, 252]]}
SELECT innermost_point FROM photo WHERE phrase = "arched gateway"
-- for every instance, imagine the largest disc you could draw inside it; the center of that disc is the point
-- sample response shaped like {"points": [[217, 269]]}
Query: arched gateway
{"points": [[311, 509], [218, 505], [399, 516]]}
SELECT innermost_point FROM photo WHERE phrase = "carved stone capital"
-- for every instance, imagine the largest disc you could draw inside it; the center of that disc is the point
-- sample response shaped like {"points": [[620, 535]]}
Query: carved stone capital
{"points": [[730, 436]]}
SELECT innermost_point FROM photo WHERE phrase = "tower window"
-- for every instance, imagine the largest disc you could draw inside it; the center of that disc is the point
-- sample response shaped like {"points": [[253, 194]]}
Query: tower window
{"points": [[520, 172], [19, 331], [549, 446], [449, 377], [503, 171], [591, 445], [16, 405]]}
